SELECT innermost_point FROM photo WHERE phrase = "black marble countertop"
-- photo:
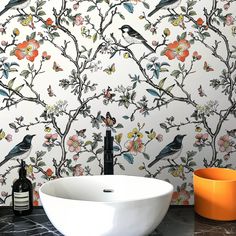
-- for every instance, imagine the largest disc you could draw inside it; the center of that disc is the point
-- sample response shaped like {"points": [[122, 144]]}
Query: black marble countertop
{"points": [[179, 221]]}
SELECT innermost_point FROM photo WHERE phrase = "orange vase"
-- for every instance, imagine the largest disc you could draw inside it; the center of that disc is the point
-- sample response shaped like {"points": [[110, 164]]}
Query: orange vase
{"points": [[215, 193]]}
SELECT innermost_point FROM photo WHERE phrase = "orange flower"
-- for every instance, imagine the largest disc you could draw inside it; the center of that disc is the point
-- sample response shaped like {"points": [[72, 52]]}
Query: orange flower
{"points": [[178, 49], [200, 21], [181, 198], [35, 203], [49, 172], [27, 49], [49, 21]]}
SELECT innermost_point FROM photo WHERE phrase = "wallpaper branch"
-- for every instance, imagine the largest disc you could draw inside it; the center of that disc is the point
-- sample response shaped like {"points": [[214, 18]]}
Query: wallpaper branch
{"points": [[161, 76]]}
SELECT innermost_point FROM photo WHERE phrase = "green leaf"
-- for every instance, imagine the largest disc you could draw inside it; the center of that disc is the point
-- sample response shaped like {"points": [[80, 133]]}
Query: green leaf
{"points": [[125, 117], [32, 159], [3, 93], [183, 35], [41, 163], [90, 159], [175, 73], [56, 34], [129, 157], [25, 73], [170, 88], [183, 9], [32, 8], [95, 36], [119, 126], [129, 7], [161, 83], [192, 13], [99, 151], [192, 163], [121, 166], [91, 8], [153, 92], [146, 5], [18, 89], [41, 13], [11, 82], [183, 159], [146, 156]]}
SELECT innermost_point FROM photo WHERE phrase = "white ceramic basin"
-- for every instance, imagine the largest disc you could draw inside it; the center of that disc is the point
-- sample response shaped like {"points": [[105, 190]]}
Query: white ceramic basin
{"points": [[114, 205]]}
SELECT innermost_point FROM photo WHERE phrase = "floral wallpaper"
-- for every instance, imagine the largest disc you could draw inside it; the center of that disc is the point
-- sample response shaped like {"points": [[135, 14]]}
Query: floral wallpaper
{"points": [[160, 74]]}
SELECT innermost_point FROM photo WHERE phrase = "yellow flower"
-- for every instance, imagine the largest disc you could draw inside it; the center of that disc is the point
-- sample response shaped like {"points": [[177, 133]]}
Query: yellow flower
{"points": [[27, 21], [126, 55], [29, 169], [135, 133], [16, 31], [2, 134], [152, 135]]}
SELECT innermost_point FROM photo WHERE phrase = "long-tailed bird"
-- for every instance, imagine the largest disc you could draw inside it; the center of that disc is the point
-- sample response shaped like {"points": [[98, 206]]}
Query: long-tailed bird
{"points": [[131, 36], [15, 4], [20, 151], [165, 4], [170, 151]]}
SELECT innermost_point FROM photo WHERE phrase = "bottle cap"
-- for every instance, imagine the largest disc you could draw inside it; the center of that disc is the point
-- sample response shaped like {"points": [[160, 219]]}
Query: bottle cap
{"points": [[22, 170]]}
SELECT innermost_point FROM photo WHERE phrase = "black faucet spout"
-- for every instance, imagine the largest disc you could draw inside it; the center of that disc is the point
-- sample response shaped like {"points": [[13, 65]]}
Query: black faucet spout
{"points": [[108, 153]]}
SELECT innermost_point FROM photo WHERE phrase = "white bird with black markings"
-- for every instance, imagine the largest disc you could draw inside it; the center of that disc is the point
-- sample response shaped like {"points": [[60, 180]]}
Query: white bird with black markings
{"points": [[131, 36], [165, 4], [15, 4]]}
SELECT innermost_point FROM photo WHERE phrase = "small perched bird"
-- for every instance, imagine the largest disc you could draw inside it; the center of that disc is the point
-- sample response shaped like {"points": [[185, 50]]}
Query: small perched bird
{"points": [[20, 151], [165, 4], [170, 151], [15, 4], [132, 36]]}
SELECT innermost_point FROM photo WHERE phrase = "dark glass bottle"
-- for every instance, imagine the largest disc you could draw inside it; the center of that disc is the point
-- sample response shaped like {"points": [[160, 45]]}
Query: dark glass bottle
{"points": [[22, 193]]}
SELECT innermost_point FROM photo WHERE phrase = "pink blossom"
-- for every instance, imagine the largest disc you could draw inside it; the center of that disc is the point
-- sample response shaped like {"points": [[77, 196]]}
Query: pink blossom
{"points": [[226, 6], [224, 144], [135, 146], [78, 170], [76, 6], [74, 144], [229, 20], [8, 138], [4, 43], [79, 20], [159, 137]]}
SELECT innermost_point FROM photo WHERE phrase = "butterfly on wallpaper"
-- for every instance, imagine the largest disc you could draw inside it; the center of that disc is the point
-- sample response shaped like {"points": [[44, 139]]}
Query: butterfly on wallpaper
{"points": [[201, 92], [110, 69], [56, 67], [107, 93], [81, 133], [207, 68], [50, 92], [109, 121]]}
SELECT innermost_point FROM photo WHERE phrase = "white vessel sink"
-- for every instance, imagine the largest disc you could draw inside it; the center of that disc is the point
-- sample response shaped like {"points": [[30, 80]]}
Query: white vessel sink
{"points": [[114, 205]]}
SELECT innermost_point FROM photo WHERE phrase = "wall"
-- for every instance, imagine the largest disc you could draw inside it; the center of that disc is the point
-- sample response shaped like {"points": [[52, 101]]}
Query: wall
{"points": [[64, 65]]}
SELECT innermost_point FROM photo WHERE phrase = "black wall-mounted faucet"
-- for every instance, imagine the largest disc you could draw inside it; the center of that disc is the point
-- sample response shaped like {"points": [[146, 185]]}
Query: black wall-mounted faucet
{"points": [[108, 153]]}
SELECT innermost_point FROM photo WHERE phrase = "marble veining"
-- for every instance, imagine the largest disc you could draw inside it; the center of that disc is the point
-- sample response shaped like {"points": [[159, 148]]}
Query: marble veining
{"points": [[179, 221]]}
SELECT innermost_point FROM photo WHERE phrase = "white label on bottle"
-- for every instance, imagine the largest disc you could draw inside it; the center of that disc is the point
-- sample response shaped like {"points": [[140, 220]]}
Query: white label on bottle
{"points": [[21, 201]]}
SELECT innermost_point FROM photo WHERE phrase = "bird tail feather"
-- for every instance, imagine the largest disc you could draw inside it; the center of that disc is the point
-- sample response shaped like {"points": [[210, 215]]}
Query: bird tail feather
{"points": [[157, 8], [4, 161], [148, 46], [153, 162], [3, 11]]}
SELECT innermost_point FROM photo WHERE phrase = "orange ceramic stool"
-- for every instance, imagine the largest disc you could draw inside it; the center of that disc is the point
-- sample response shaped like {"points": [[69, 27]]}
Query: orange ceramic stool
{"points": [[215, 193]]}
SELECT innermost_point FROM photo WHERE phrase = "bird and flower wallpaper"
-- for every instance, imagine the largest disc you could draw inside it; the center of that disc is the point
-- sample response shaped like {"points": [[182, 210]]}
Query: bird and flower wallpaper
{"points": [[160, 74]]}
